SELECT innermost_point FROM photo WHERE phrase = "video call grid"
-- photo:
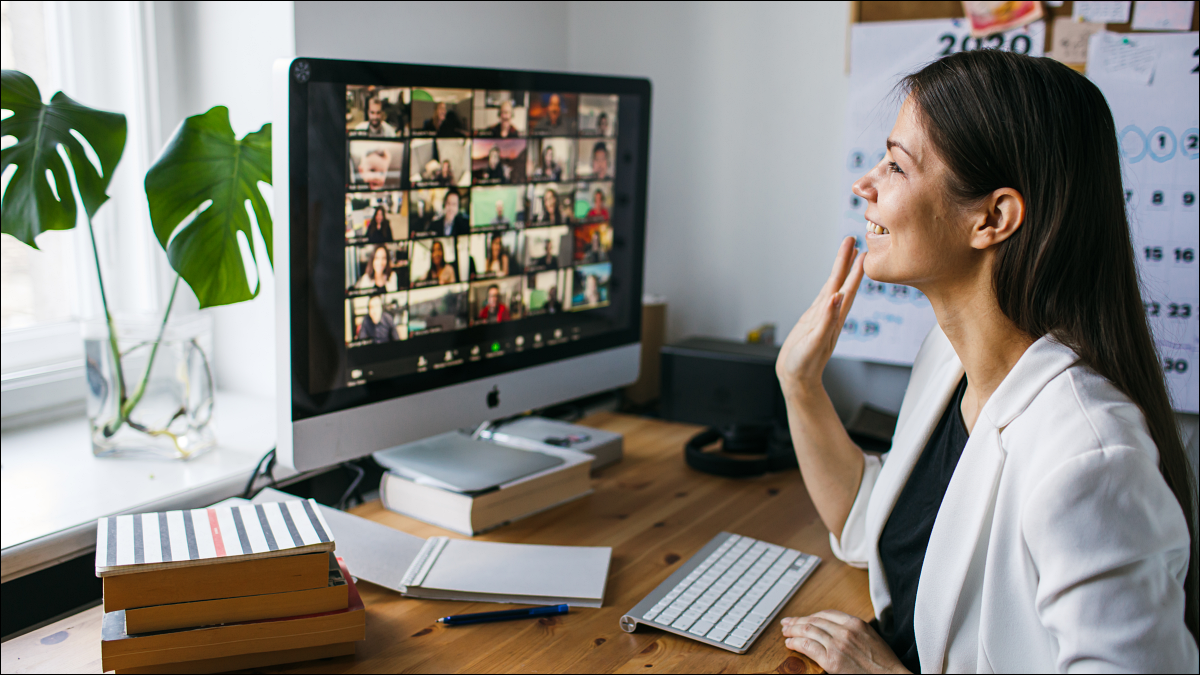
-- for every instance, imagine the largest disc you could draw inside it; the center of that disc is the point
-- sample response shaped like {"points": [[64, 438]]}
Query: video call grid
{"points": [[471, 207]]}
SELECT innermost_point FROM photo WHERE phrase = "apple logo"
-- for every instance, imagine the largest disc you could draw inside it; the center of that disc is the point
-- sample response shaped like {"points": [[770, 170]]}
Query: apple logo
{"points": [[493, 397]]}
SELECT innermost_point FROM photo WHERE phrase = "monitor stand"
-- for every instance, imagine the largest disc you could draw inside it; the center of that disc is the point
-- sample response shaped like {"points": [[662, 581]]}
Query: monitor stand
{"points": [[462, 462]]}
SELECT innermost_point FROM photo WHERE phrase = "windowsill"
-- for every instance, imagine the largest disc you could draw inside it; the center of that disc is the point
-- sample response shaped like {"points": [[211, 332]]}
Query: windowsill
{"points": [[52, 489]]}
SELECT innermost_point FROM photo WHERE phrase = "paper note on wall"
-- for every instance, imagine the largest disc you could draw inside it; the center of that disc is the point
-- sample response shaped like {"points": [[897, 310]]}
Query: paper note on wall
{"points": [[1105, 11], [1162, 15], [1156, 122], [888, 322]]}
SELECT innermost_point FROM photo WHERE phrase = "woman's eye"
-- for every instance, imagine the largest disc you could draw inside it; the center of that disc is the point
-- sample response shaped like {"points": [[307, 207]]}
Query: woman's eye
{"points": [[894, 167]]}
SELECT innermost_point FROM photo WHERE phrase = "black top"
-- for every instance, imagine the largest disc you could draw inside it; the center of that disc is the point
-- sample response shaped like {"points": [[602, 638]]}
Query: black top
{"points": [[906, 535]]}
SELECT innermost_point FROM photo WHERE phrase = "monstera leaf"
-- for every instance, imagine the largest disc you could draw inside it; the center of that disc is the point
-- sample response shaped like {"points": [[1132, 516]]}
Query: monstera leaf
{"points": [[205, 165], [32, 203]]}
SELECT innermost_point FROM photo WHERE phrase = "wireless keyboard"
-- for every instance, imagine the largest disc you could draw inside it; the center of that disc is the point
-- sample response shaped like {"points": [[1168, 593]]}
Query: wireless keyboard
{"points": [[725, 594]]}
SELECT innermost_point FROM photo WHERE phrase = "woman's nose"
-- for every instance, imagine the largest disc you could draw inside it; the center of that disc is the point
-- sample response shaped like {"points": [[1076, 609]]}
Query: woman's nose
{"points": [[865, 187]]}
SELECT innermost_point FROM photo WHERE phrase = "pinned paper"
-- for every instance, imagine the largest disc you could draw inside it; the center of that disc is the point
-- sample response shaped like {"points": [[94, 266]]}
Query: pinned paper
{"points": [[1101, 12], [1122, 57], [1071, 39], [989, 18], [1162, 15]]}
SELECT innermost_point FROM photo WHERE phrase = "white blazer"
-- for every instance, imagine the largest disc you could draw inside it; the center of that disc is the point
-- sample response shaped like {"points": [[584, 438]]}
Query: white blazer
{"points": [[1058, 547]]}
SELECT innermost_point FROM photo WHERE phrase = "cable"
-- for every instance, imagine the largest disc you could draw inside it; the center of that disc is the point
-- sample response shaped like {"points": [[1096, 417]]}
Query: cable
{"points": [[343, 503], [269, 471]]}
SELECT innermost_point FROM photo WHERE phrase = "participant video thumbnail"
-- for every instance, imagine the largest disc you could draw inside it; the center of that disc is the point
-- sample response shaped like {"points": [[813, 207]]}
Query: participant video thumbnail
{"points": [[497, 208], [591, 286], [551, 159], [551, 203], [548, 292], [441, 112], [592, 202], [437, 310], [496, 301], [593, 243], [500, 114], [548, 248], [376, 218], [376, 319], [553, 113], [376, 165], [444, 162], [598, 115], [438, 212], [376, 112], [498, 161], [595, 158], [376, 268], [435, 262], [495, 255]]}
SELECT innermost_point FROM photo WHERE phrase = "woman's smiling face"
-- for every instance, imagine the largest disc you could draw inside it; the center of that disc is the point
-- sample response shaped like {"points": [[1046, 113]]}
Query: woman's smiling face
{"points": [[915, 232]]}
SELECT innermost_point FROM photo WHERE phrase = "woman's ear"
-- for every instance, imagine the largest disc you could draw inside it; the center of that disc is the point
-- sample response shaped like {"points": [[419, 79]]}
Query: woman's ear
{"points": [[1002, 214]]}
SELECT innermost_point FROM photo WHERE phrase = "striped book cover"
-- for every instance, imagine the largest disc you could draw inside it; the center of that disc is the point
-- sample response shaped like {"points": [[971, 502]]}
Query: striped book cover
{"points": [[142, 542]]}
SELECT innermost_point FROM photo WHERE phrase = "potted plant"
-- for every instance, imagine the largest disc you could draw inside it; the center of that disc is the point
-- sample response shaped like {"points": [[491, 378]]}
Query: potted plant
{"points": [[149, 387]]}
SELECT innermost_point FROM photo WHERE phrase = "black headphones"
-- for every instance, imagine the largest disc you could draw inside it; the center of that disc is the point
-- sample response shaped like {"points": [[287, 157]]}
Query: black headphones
{"points": [[773, 443]]}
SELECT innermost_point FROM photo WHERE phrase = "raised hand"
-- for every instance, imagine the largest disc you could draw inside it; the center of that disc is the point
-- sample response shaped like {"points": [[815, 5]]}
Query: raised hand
{"points": [[808, 347]]}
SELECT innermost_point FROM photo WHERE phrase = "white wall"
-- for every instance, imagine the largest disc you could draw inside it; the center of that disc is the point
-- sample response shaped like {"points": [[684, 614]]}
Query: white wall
{"points": [[221, 53], [530, 35]]}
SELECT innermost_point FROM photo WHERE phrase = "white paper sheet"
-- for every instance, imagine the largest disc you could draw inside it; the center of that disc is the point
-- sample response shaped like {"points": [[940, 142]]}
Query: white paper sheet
{"points": [[1174, 15], [888, 322], [1156, 122], [1101, 12]]}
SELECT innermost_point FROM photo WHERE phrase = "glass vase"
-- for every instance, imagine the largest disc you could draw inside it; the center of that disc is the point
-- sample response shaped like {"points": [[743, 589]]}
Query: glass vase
{"points": [[160, 401]]}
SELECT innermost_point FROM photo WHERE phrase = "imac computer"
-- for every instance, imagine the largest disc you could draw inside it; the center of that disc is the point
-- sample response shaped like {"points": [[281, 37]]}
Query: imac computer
{"points": [[452, 245]]}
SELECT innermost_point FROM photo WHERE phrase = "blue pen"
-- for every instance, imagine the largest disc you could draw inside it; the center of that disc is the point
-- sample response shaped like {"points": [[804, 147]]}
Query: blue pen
{"points": [[504, 615]]}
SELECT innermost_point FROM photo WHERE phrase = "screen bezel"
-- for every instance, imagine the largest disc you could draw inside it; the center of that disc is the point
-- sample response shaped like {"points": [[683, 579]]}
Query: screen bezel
{"points": [[306, 404]]}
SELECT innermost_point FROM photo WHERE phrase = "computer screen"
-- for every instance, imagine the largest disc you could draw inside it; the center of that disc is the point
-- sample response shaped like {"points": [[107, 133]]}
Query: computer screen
{"points": [[449, 224]]}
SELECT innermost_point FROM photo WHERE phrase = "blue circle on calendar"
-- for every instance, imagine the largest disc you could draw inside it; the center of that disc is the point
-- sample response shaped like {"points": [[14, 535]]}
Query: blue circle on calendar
{"points": [[1161, 144], [1125, 152], [1190, 148], [857, 161]]}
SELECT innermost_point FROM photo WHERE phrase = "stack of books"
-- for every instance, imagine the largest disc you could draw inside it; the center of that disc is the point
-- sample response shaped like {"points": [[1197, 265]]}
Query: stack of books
{"points": [[224, 588], [411, 493]]}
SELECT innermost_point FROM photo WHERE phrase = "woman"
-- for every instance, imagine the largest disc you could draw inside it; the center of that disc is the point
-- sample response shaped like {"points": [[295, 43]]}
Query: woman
{"points": [[550, 214], [379, 275], [379, 231], [548, 169], [495, 172], [1034, 513], [440, 271], [598, 211], [446, 176], [497, 260]]}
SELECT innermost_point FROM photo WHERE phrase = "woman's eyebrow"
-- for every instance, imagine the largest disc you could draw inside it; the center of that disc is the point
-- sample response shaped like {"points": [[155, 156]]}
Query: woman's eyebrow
{"points": [[896, 144]]}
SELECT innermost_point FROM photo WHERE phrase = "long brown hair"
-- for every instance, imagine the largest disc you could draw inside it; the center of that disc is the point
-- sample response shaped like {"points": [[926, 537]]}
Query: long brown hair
{"points": [[1000, 119]]}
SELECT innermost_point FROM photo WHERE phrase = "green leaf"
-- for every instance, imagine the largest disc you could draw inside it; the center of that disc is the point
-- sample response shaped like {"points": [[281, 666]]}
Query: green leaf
{"points": [[30, 205], [204, 162]]}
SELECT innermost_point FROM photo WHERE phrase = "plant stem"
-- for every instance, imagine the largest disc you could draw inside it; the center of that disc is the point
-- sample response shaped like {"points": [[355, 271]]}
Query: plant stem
{"points": [[127, 406], [111, 427]]}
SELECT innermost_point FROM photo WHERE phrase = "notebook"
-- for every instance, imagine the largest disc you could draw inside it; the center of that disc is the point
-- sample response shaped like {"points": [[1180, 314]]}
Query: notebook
{"points": [[143, 542], [455, 569], [486, 571]]}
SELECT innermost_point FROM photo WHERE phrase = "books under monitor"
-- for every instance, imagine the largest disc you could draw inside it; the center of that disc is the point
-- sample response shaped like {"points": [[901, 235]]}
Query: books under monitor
{"points": [[414, 494]]}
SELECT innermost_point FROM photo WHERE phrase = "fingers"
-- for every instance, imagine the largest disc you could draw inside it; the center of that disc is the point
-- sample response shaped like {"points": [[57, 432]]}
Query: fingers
{"points": [[830, 327], [853, 279], [841, 263], [841, 618]]}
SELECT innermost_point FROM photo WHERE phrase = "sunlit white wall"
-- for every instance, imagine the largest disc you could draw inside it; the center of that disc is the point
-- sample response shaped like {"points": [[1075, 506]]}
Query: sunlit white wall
{"points": [[221, 53]]}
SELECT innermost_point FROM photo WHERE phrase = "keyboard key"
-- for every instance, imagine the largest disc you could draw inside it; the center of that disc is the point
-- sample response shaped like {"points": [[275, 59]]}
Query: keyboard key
{"points": [[683, 623], [701, 628], [771, 600], [736, 643], [752, 622], [717, 634], [740, 632], [649, 616]]}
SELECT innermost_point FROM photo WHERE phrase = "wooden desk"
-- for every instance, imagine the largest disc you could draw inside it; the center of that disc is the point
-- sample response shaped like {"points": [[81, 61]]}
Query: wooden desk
{"points": [[650, 508]]}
